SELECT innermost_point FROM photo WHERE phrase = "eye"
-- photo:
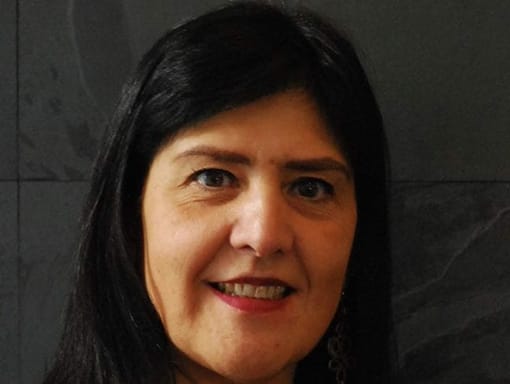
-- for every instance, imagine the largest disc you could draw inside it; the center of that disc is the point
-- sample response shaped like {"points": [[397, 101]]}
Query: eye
{"points": [[312, 189], [214, 178]]}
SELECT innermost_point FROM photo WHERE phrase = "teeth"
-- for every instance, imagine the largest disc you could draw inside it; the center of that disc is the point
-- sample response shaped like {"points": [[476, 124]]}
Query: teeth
{"points": [[248, 290], [265, 292]]}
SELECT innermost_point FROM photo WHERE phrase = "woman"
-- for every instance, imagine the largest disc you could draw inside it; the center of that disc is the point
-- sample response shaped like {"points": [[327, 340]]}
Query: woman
{"points": [[236, 226]]}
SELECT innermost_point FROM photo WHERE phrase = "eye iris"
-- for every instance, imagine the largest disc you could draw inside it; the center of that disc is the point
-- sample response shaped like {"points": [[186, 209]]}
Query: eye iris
{"points": [[212, 178], [309, 188]]}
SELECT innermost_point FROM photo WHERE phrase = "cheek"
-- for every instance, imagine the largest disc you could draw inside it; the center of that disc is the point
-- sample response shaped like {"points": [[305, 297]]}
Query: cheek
{"points": [[174, 259], [326, 268], [168, 255], [328, 260], [327, 279]]}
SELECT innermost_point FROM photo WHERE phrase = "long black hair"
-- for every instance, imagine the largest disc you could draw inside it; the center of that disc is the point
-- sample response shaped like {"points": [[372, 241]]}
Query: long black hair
{"points": [[218, 61]]}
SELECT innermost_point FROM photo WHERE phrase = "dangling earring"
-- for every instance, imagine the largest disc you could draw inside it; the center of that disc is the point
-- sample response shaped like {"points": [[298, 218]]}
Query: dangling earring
{"points": [[337, 345]]}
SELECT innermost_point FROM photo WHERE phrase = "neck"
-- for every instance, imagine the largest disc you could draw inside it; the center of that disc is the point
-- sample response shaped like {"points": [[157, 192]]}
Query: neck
{"points": [[201, 375]]}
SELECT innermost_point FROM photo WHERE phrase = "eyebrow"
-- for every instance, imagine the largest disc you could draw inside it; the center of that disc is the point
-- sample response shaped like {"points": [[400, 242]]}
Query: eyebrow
{"points": [[318, 165], [322, 164], [216, 154]]}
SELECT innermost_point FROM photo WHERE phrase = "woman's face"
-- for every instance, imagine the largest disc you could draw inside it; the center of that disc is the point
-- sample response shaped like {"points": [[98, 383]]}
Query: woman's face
{"points": [[248, 220]]}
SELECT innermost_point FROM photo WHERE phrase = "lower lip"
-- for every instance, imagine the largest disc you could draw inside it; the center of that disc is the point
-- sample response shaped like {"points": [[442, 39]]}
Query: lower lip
{"points": [[251, 305]]}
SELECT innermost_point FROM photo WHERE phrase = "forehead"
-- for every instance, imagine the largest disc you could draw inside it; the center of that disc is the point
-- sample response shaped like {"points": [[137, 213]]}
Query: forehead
{"points": [[285, 122]]}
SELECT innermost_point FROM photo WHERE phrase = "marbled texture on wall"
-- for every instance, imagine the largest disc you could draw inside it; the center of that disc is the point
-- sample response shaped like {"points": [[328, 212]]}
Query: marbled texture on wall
{"points": [[451, 281], [440, 70], [64, 103]]}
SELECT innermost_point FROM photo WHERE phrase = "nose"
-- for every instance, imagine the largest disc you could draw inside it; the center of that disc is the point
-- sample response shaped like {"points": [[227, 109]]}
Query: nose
{"points": [[263, 222]]}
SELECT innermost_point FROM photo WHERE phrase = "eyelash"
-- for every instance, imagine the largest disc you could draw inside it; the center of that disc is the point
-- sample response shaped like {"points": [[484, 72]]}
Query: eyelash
{"points": [[320, 189], [215, 173]]}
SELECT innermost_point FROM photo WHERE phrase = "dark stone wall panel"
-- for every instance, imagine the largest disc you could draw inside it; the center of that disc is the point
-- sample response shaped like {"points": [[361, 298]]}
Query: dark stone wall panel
{"points": [[49, 217], [451, 247], [8, 169], [9, 315], [72, 62], [440, 70]]}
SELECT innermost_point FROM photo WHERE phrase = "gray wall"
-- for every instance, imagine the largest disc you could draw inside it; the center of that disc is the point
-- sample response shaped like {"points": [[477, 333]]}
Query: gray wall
{"points": [[441, 72]]}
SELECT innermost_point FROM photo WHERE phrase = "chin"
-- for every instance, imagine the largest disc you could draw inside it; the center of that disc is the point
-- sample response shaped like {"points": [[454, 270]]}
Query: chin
{"points": [[259, 371], [260, 358], [249, 366]]}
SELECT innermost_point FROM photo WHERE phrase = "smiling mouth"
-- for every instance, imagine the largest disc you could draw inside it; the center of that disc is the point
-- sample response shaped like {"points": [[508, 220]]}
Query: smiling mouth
{"points": [[261, 292]]}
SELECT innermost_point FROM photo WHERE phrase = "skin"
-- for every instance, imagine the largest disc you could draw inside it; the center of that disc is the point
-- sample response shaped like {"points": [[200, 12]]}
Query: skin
{"points": [[258, 191]]}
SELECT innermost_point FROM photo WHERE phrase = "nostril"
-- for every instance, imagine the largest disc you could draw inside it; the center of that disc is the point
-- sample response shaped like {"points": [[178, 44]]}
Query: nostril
{"points": [[277, 252]]}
